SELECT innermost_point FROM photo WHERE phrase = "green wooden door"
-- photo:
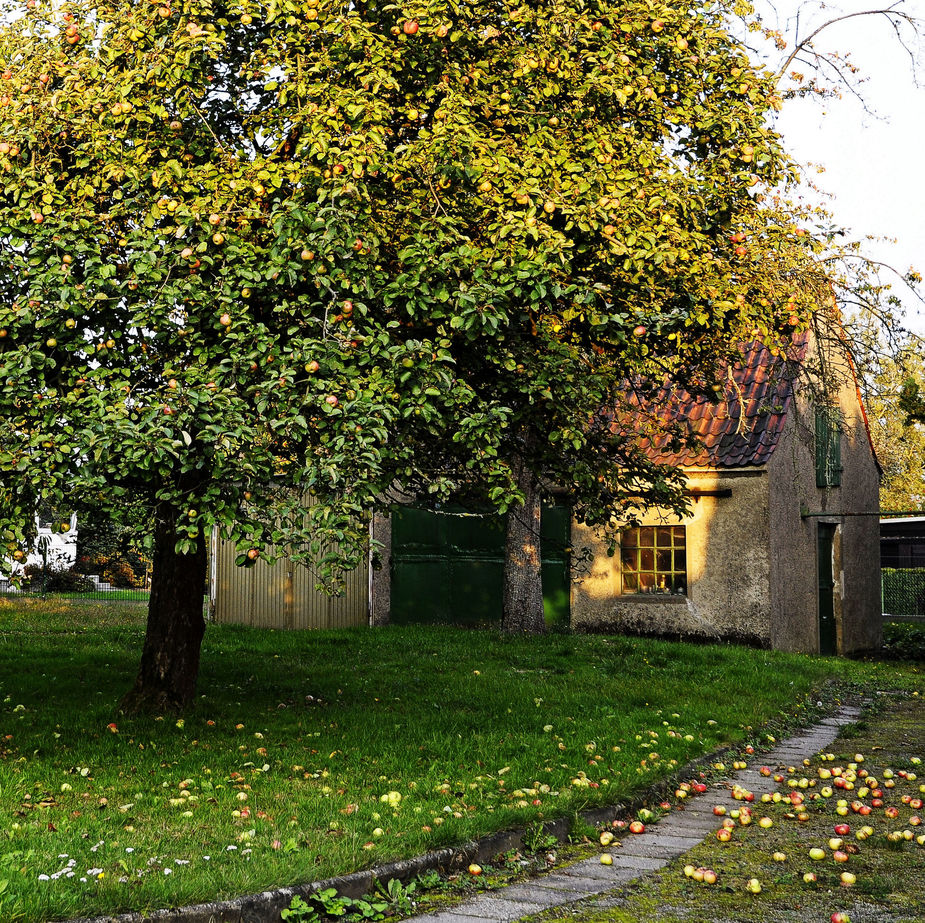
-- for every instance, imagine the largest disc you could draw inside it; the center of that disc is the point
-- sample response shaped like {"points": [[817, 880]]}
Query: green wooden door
{"points": [[447, 566], [825, 539]]}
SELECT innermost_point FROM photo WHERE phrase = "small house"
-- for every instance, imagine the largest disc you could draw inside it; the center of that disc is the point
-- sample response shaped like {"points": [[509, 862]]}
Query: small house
{"points": [[779, 548]]}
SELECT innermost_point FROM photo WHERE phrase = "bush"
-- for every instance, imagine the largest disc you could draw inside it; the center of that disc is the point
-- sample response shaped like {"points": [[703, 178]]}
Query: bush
{"points": [[114, 571], [55, 580], [904, 641], [119, 574]]}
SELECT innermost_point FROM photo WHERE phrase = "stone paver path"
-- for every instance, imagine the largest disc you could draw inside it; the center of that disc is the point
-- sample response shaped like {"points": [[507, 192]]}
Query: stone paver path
{"points": [[675, 834]]}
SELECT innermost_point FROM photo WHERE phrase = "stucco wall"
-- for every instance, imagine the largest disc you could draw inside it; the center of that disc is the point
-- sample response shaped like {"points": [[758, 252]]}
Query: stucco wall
{"points": [[728, 569], [859, 560], [856, 555]]}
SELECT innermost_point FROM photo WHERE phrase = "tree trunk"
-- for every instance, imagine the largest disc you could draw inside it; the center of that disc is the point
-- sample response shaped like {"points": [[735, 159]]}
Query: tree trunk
{"points": [[166, 679], [522, 608]]}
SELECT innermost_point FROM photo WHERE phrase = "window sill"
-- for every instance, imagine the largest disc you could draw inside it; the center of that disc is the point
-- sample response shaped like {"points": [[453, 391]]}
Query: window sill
{"points": [[672, 599]]}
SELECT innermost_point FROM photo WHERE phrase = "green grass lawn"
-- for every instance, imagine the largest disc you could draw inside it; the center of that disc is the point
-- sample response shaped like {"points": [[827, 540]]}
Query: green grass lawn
{"points": [[316, 753]]}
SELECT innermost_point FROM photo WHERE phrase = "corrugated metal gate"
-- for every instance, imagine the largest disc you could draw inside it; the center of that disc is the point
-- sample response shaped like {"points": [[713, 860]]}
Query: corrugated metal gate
{"points": [[282, 595], [447, 566]]}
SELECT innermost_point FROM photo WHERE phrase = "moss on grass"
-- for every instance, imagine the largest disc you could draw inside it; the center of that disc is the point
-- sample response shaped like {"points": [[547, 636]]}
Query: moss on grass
{"points": [[889, 875]]}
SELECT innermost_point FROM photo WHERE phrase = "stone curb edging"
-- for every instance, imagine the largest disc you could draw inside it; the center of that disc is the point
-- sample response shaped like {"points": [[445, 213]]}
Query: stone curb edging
{"points": [[265, 906]]}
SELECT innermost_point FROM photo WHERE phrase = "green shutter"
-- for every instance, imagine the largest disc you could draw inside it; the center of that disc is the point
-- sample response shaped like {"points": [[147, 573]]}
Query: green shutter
{"points": [[828, 447]]}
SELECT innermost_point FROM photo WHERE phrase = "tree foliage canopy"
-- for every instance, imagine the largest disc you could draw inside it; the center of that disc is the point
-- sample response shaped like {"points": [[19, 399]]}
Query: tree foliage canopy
{"points": [[256, 248]]}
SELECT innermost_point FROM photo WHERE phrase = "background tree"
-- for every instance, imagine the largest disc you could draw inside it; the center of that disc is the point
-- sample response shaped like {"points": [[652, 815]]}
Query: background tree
{"points": [[253, 249], [114, 548], [911, 400]]}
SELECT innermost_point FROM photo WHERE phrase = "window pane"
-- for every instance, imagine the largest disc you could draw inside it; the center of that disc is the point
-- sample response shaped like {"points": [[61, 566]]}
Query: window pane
{"points": [[654, 560]]}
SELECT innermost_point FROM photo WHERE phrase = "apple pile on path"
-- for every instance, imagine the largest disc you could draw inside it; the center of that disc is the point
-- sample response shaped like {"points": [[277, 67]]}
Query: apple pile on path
{"points": [[869, 809]]}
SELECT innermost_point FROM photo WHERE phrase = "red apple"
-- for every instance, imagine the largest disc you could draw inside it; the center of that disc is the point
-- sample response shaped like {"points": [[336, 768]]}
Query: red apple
{"points": [[410, 27], [637, 826]]}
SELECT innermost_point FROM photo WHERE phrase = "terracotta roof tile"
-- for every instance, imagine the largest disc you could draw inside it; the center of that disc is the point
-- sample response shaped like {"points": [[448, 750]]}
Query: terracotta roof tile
{"points": [[741, 429]]}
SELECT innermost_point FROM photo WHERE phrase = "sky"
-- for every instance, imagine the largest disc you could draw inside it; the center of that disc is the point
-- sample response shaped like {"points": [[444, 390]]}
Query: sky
{"points": [[874, 162]]}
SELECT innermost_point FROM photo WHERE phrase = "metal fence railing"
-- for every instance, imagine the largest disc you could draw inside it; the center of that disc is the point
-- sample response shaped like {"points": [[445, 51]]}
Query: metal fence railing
{"points": [[903, 593], [110, 579]]}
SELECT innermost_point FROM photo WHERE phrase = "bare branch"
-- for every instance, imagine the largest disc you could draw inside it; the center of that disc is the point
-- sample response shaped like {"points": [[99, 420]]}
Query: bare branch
{"points": [[891, 13]]}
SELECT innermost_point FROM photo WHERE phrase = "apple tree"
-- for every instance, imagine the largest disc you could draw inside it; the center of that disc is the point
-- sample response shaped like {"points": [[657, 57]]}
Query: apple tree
{"points": [[255, 248]]}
